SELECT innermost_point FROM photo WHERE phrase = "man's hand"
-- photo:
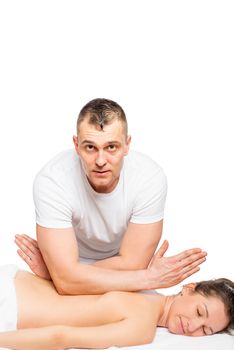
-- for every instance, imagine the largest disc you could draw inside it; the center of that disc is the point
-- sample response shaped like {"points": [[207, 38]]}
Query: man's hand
{"points": [[30, 253], [164, 272]]}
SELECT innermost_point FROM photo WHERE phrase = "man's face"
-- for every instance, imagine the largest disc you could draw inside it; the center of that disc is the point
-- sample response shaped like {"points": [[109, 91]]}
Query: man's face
{"points": [[196, 315], [101, 153]]}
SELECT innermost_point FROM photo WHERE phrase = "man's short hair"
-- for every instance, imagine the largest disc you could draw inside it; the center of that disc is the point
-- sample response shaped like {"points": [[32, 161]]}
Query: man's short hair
{"points": [[101, 112]]}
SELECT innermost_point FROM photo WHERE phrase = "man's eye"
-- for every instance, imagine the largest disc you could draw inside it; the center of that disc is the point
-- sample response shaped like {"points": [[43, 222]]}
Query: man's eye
{"points": [[89, 147], [111, 147]]}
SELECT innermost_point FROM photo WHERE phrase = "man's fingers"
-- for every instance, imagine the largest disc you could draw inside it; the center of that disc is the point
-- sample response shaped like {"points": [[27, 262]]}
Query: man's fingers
{"points": [[30, 239], [25, 257], [185, 272], [193, 259], [193, 265], [25, 249], [27, 238], [162, 250], [185, 254], [189, 273], [18, 243], [22, 243], [188, 256]]}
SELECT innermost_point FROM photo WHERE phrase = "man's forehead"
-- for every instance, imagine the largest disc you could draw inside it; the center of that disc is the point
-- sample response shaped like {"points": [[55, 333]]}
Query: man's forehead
{"points": [[115, 123], [111, 132]]}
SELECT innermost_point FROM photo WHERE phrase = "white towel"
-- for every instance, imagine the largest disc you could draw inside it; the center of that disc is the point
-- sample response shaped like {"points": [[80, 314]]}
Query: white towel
{"points": [[8, 306]]}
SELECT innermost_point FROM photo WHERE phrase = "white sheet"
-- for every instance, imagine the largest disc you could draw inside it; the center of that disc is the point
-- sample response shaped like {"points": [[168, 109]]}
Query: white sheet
{"points": [[167, 341]]}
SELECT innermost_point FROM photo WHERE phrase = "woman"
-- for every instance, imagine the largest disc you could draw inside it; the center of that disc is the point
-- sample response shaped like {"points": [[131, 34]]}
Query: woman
{"points": [[47, 320]]}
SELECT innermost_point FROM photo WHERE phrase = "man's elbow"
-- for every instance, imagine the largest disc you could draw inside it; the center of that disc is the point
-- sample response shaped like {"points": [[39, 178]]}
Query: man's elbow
{"points": [[62, 287], [63, 283], [66, 283]]}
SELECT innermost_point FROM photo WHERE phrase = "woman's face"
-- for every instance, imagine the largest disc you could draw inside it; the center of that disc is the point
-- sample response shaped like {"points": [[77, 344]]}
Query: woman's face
{"points": [[193, 314]]}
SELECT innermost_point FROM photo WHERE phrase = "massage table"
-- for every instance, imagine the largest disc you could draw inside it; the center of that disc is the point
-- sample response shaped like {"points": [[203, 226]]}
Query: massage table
{"points": [[164, 340]]}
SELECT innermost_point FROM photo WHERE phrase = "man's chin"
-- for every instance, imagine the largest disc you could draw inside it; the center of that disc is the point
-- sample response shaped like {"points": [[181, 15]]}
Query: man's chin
{"points": [[103, 185], [100, 186]]}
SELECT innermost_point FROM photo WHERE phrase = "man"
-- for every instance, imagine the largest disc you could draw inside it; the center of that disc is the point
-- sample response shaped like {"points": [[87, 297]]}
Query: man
{"points": [[103, 205]]}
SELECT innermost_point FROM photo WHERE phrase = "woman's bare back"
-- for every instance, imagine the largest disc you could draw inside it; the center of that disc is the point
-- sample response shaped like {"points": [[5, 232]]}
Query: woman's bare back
{"points": [[40, 305]]}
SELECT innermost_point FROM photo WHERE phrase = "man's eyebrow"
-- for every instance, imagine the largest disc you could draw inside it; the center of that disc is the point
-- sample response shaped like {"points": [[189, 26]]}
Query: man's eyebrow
{"points": [[88, 141], [107, 143], [113, 143], [207, 315]]}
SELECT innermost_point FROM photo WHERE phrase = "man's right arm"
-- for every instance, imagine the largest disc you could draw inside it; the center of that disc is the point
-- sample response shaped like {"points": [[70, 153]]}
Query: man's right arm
{"points": [[60, 252]]}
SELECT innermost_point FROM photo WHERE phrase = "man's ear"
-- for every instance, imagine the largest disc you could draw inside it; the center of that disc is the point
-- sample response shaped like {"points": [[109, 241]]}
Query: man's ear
{"points": [[75, 141], [128, 141]]}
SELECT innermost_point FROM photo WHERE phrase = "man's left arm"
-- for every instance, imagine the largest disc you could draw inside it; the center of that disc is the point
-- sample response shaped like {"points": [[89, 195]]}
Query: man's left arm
{"points": [[137, 249]]}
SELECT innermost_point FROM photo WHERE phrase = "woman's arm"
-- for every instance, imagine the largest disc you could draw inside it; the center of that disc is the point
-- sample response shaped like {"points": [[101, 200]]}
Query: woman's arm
{"points": [[127, 332], [123, 333], [45, 338]]}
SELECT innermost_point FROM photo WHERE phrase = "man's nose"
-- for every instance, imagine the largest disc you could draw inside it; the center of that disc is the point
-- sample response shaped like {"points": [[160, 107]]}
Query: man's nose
{"points": [[101, 159]]}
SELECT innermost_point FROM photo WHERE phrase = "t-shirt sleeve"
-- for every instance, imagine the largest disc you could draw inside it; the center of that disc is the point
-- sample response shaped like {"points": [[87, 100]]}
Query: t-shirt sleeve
{"points": [[150, 199], [51, 203]]}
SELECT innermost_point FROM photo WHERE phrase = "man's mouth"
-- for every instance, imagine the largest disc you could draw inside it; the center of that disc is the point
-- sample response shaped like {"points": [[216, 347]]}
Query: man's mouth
{"points": [[101, 171]]}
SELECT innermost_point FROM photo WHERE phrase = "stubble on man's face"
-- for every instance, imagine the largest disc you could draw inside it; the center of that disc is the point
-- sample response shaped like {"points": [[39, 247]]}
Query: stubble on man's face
{"points": [[102, 153]]}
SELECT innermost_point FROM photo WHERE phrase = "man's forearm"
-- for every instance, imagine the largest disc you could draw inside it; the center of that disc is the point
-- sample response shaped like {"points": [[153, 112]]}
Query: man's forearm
{"points": [[120, 262], [117, 263], [90, 279], [161, 273]]}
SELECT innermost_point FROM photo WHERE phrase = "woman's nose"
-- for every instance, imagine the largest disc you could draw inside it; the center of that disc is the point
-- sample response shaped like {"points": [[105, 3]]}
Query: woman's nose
{"points": [[195, 325]]}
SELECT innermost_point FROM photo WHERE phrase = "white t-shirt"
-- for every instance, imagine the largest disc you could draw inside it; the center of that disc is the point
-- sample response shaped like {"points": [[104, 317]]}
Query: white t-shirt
{"points": [[64, 198]]}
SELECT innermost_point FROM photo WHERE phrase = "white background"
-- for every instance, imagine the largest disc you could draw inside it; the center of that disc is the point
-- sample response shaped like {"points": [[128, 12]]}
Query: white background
{"points": [[169, 64]]}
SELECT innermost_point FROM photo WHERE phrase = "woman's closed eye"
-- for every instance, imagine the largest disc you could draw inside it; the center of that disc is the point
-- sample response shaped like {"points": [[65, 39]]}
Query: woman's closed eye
{"points": [[205, 330], [198, 312], [199, 315]]}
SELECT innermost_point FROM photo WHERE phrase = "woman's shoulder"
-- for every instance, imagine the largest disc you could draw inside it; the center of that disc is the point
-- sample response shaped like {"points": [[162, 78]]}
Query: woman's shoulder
{"points": [[121, 295], [131, 302], [137, 311]]}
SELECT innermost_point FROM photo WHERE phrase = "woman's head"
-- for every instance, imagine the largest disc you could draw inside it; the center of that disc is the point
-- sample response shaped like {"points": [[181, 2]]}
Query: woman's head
{"points": [[203, 308], [223, 289]]}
